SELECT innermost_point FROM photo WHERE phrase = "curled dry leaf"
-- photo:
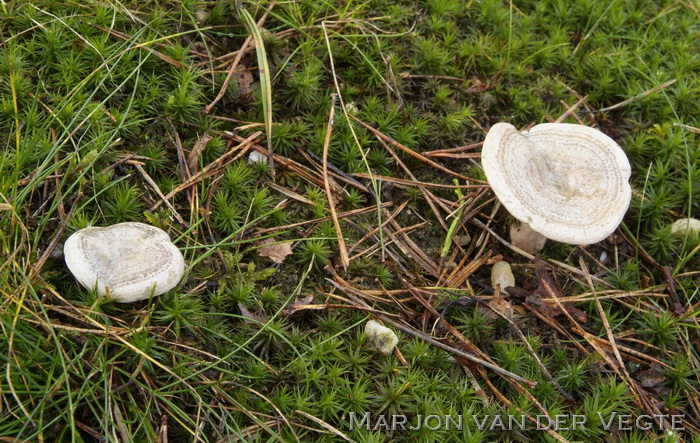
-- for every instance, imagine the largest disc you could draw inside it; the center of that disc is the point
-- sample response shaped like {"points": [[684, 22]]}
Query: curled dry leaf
{"points": [[650, 378], [275, 251], [551, 308], [245, 80], [501, 305], [250, 317]]}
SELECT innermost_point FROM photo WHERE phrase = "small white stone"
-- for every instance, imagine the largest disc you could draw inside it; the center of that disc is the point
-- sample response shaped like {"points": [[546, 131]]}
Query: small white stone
{"points": [[691, 225], [501, 274], [125, 262], [256, 157], [380, 337]]}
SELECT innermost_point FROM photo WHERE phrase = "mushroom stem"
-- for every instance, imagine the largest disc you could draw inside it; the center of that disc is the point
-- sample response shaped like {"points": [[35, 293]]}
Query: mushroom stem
{"points": [[524, 237]]}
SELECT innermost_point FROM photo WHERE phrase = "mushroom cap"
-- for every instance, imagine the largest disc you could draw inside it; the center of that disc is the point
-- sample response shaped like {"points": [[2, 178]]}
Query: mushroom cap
{"points": [[126, 261], [683, 225], [380, 337], [568, 182]]}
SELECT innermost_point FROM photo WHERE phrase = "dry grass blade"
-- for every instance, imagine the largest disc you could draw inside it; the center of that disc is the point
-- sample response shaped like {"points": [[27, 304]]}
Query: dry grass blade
{"points": [[195, 152], [214, 166], [411, 152], [331, 203], [324, 424], [265, 79], [641, 398], [291, 194], [157, 190], [633, 99], [236, 61]]}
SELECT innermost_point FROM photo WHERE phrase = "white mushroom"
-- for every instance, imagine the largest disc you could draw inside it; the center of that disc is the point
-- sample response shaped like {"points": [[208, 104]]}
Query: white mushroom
{"points": [[126, 261], [201, 16], [683, 225], [502, 275], [568, 182], [380, 337], [522, 236]]}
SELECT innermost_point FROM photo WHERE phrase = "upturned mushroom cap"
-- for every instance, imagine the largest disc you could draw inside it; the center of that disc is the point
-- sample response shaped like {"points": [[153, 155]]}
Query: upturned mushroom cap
{"points": [[568, 182], [126, 261]]}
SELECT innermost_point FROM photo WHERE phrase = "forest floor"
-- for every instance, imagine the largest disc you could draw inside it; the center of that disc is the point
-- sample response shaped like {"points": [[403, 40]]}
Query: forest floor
{"points": [[368, 201]]}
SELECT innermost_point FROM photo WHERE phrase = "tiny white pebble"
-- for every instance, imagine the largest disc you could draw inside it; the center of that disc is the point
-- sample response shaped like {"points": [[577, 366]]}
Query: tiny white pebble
{"points": [[256, 157]]}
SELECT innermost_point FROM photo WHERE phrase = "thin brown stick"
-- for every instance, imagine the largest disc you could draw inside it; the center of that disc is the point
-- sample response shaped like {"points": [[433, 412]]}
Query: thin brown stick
{"points": [[532, 257], [430, 77], [375, 230], [403, 181], [571, 111], [639, 397], [427, 195], [303, 171], [199, 145], [603, 316], [61, 228], [334, 171], [454, 150], [376, 246], [526, 342]]}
